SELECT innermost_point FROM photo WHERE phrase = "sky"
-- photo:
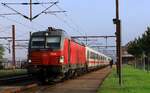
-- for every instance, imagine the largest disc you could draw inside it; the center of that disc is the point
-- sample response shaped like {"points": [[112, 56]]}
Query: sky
{"points": [[83, 17]]}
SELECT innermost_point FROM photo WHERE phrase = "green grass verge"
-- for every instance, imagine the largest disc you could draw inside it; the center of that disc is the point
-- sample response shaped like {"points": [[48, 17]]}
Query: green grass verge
{"points": [[15, 72], [134, 81]]}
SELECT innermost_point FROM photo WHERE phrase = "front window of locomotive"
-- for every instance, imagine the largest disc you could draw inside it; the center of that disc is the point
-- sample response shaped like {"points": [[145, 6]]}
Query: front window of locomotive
{"points": [[46, 42], [37, 42], [53, 42]]}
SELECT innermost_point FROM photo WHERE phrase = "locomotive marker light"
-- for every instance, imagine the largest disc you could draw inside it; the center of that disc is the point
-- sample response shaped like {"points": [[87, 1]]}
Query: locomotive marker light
{"points": [[61, 59], [29, 61], [46, 34]]}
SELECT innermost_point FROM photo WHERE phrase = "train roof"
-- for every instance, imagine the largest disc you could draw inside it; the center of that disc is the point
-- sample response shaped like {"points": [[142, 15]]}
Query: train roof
{"points": [[54, 31], [51, 31], [99, 53]]}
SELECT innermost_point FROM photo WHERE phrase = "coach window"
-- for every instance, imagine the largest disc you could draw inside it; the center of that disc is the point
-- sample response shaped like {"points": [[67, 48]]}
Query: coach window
{"points": [[88, 54], [97, 56], [91, 55], [94, 56]]}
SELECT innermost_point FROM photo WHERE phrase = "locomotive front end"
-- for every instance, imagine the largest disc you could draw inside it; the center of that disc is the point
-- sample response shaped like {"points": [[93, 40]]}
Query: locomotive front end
{"points": [[45, 53]]}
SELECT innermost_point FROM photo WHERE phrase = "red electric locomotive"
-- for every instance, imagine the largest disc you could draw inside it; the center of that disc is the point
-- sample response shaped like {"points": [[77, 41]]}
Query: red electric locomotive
{"points": [[53, 54]]}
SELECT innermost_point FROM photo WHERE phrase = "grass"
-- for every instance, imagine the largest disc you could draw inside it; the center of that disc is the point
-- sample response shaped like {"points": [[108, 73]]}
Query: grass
{"points": [[134, 81], [11, 72]]}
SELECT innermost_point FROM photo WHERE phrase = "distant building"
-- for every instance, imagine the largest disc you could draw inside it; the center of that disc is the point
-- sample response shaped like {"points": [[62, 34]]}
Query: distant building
{"points": [[126, 57]]}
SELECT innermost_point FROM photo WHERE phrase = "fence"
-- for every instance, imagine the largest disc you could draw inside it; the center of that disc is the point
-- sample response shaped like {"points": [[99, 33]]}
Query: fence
{"points": [[142, 63], [9, 64]]}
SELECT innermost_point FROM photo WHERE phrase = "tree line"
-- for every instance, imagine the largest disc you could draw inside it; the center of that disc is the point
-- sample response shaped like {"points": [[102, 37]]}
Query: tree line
{"points": [[1, 51], [1, 55], [140, 46]]}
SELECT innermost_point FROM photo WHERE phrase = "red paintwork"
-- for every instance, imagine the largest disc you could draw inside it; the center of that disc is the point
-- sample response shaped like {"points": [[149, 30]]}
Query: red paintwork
{"points": [[45, 57], [77, 55]]}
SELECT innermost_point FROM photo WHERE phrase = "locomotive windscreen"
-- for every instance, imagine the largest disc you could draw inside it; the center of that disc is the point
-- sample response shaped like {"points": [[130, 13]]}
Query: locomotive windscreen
{"points": [[53, 42], [37, 42], [50, 42]]}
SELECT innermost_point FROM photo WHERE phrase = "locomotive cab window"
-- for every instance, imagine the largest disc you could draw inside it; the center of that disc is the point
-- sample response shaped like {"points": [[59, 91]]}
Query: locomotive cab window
{"points": [[46, 42], [53, 42], [37, 42]]}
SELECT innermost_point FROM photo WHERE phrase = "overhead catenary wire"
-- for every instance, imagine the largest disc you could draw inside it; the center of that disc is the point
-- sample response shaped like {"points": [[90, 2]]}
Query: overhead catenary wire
{"points": [[10, 14], [5, 32], [21, 35], [61, 19], [53, 3], [68, 24], [70, 19], [15, 11], [44, 10], [35, 3], [65, 14], [41, 4], [26, 26], [23, 15], [30, 27], [4, 28]]}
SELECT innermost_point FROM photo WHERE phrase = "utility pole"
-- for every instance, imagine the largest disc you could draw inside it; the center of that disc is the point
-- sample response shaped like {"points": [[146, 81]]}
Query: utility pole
{"points": [[13, 46], [147, 64], [30, 10], [106, 42], [30, 35], [117, 22]]}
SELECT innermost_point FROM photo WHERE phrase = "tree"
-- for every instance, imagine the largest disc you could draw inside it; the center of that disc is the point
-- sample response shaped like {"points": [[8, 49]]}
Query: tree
{"points": [[1, 51], [134, 48], [1, 55], [140, 45], [146, 42]]}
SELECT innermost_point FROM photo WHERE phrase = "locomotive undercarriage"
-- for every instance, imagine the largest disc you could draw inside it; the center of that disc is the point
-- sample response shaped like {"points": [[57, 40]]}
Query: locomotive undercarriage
{"points": [[55, 73]]}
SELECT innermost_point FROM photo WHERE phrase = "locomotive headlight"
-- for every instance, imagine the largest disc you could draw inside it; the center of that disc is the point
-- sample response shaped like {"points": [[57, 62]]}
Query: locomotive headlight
{"points": [[46, 34], [61, 60], [29, 61]]}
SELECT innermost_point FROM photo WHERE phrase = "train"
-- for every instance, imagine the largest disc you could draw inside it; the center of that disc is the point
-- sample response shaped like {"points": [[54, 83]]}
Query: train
{"points": [[52, 54]]}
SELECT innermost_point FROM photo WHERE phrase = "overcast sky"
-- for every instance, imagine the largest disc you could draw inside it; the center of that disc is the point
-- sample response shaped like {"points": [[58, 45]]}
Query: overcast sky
{"points": [[91, 17]]}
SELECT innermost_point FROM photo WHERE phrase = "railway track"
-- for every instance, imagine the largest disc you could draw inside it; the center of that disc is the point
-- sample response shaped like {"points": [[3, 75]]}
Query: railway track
{"points": [[14, 80]]}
